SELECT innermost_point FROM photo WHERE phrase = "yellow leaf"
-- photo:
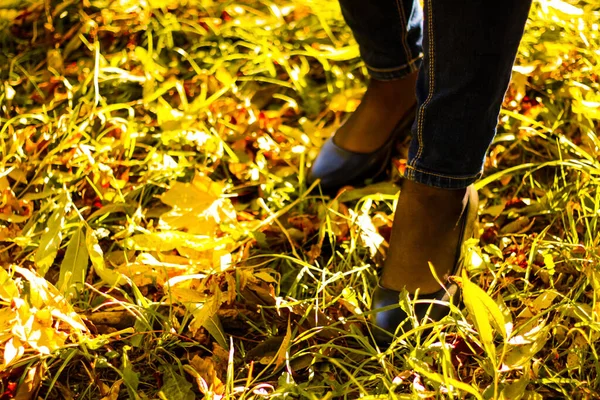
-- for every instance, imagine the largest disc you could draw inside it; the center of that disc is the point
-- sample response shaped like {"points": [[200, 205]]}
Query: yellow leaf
{"points": [[43, 294], [51, 238], [524, 346], [8, 288], [197, 206], [169, 240], [39, 294], [224, 77], [205, 311], [244, 277], [502, 324], [4, 185], [187, 295], [7, 316], [565, 10], [73, 268], [45, 340], [541, 303], [338, 103], [109, 276], [265, 276], [473, 301], [146, 269], [13, 351], [71, 318]]}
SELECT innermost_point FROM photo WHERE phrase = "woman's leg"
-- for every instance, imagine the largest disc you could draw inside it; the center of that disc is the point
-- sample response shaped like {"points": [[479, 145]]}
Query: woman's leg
{"points": [[389, 33], [470, 47]]}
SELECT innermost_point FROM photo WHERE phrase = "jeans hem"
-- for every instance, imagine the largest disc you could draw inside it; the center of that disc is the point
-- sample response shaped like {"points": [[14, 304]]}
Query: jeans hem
{"points": [[394, 73], [439, 180]]}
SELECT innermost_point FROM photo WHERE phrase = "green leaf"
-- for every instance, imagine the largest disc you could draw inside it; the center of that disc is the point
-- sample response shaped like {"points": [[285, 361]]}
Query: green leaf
{"points": [[516, 390], [214, 327], [50, 240], [130, 377], [74, 266], [109, 276], [175, 386]]}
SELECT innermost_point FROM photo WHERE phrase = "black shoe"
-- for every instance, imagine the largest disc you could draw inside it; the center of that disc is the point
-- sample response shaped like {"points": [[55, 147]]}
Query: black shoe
{"points": [[336, 167]]}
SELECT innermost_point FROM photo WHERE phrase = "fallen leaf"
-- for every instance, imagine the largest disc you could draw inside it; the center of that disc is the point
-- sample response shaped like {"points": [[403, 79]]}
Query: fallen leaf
{"points": [[209, 383], [73, 268], [96, 254], [51, 238], [206, 311], [13, 351], [197, 207], [8, 288], [519, 225], [281, 355], [113, 393], [175, 386], [31, 384]]}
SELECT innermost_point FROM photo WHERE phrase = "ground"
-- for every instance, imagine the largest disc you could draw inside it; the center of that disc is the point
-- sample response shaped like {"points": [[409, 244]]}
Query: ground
{"points": [[159, 239]]}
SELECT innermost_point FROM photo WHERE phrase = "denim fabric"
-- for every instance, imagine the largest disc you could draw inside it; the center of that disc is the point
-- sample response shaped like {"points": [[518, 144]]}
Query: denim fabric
{"points": [[469, 50], [389, 34]]}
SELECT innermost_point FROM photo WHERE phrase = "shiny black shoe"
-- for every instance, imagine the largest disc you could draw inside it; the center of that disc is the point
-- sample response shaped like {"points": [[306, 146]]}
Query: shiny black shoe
{"points": [[336, 167], [433, 306]]}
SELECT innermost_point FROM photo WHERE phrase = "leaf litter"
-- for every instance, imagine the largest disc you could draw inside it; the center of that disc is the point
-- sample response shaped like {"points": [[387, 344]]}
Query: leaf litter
{"points": [[159, 240]]}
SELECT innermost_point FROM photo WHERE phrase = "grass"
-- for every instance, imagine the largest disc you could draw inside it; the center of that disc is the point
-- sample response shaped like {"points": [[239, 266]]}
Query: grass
{"points": [[159, 239]]}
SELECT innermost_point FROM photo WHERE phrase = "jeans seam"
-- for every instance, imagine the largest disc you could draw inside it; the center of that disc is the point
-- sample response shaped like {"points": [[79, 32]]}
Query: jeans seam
{"points": [[409, 64], [415, 169], [431, 82], [403, 22]]}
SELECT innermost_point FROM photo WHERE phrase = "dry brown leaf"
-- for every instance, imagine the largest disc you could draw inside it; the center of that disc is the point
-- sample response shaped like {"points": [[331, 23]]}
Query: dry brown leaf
{"points": [[30, 386], [113, 393], [231, 293], [207, 379], [220, 359], [206, 311], [281, 355], [245, 276], [119, 319], [520, 225]]}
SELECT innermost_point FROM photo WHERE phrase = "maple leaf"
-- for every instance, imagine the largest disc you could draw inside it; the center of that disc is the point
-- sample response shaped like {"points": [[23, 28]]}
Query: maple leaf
{"points": [[197, 207]]}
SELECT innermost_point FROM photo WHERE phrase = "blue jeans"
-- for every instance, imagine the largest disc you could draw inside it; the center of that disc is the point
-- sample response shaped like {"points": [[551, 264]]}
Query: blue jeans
{"points": [[464, 51]]}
